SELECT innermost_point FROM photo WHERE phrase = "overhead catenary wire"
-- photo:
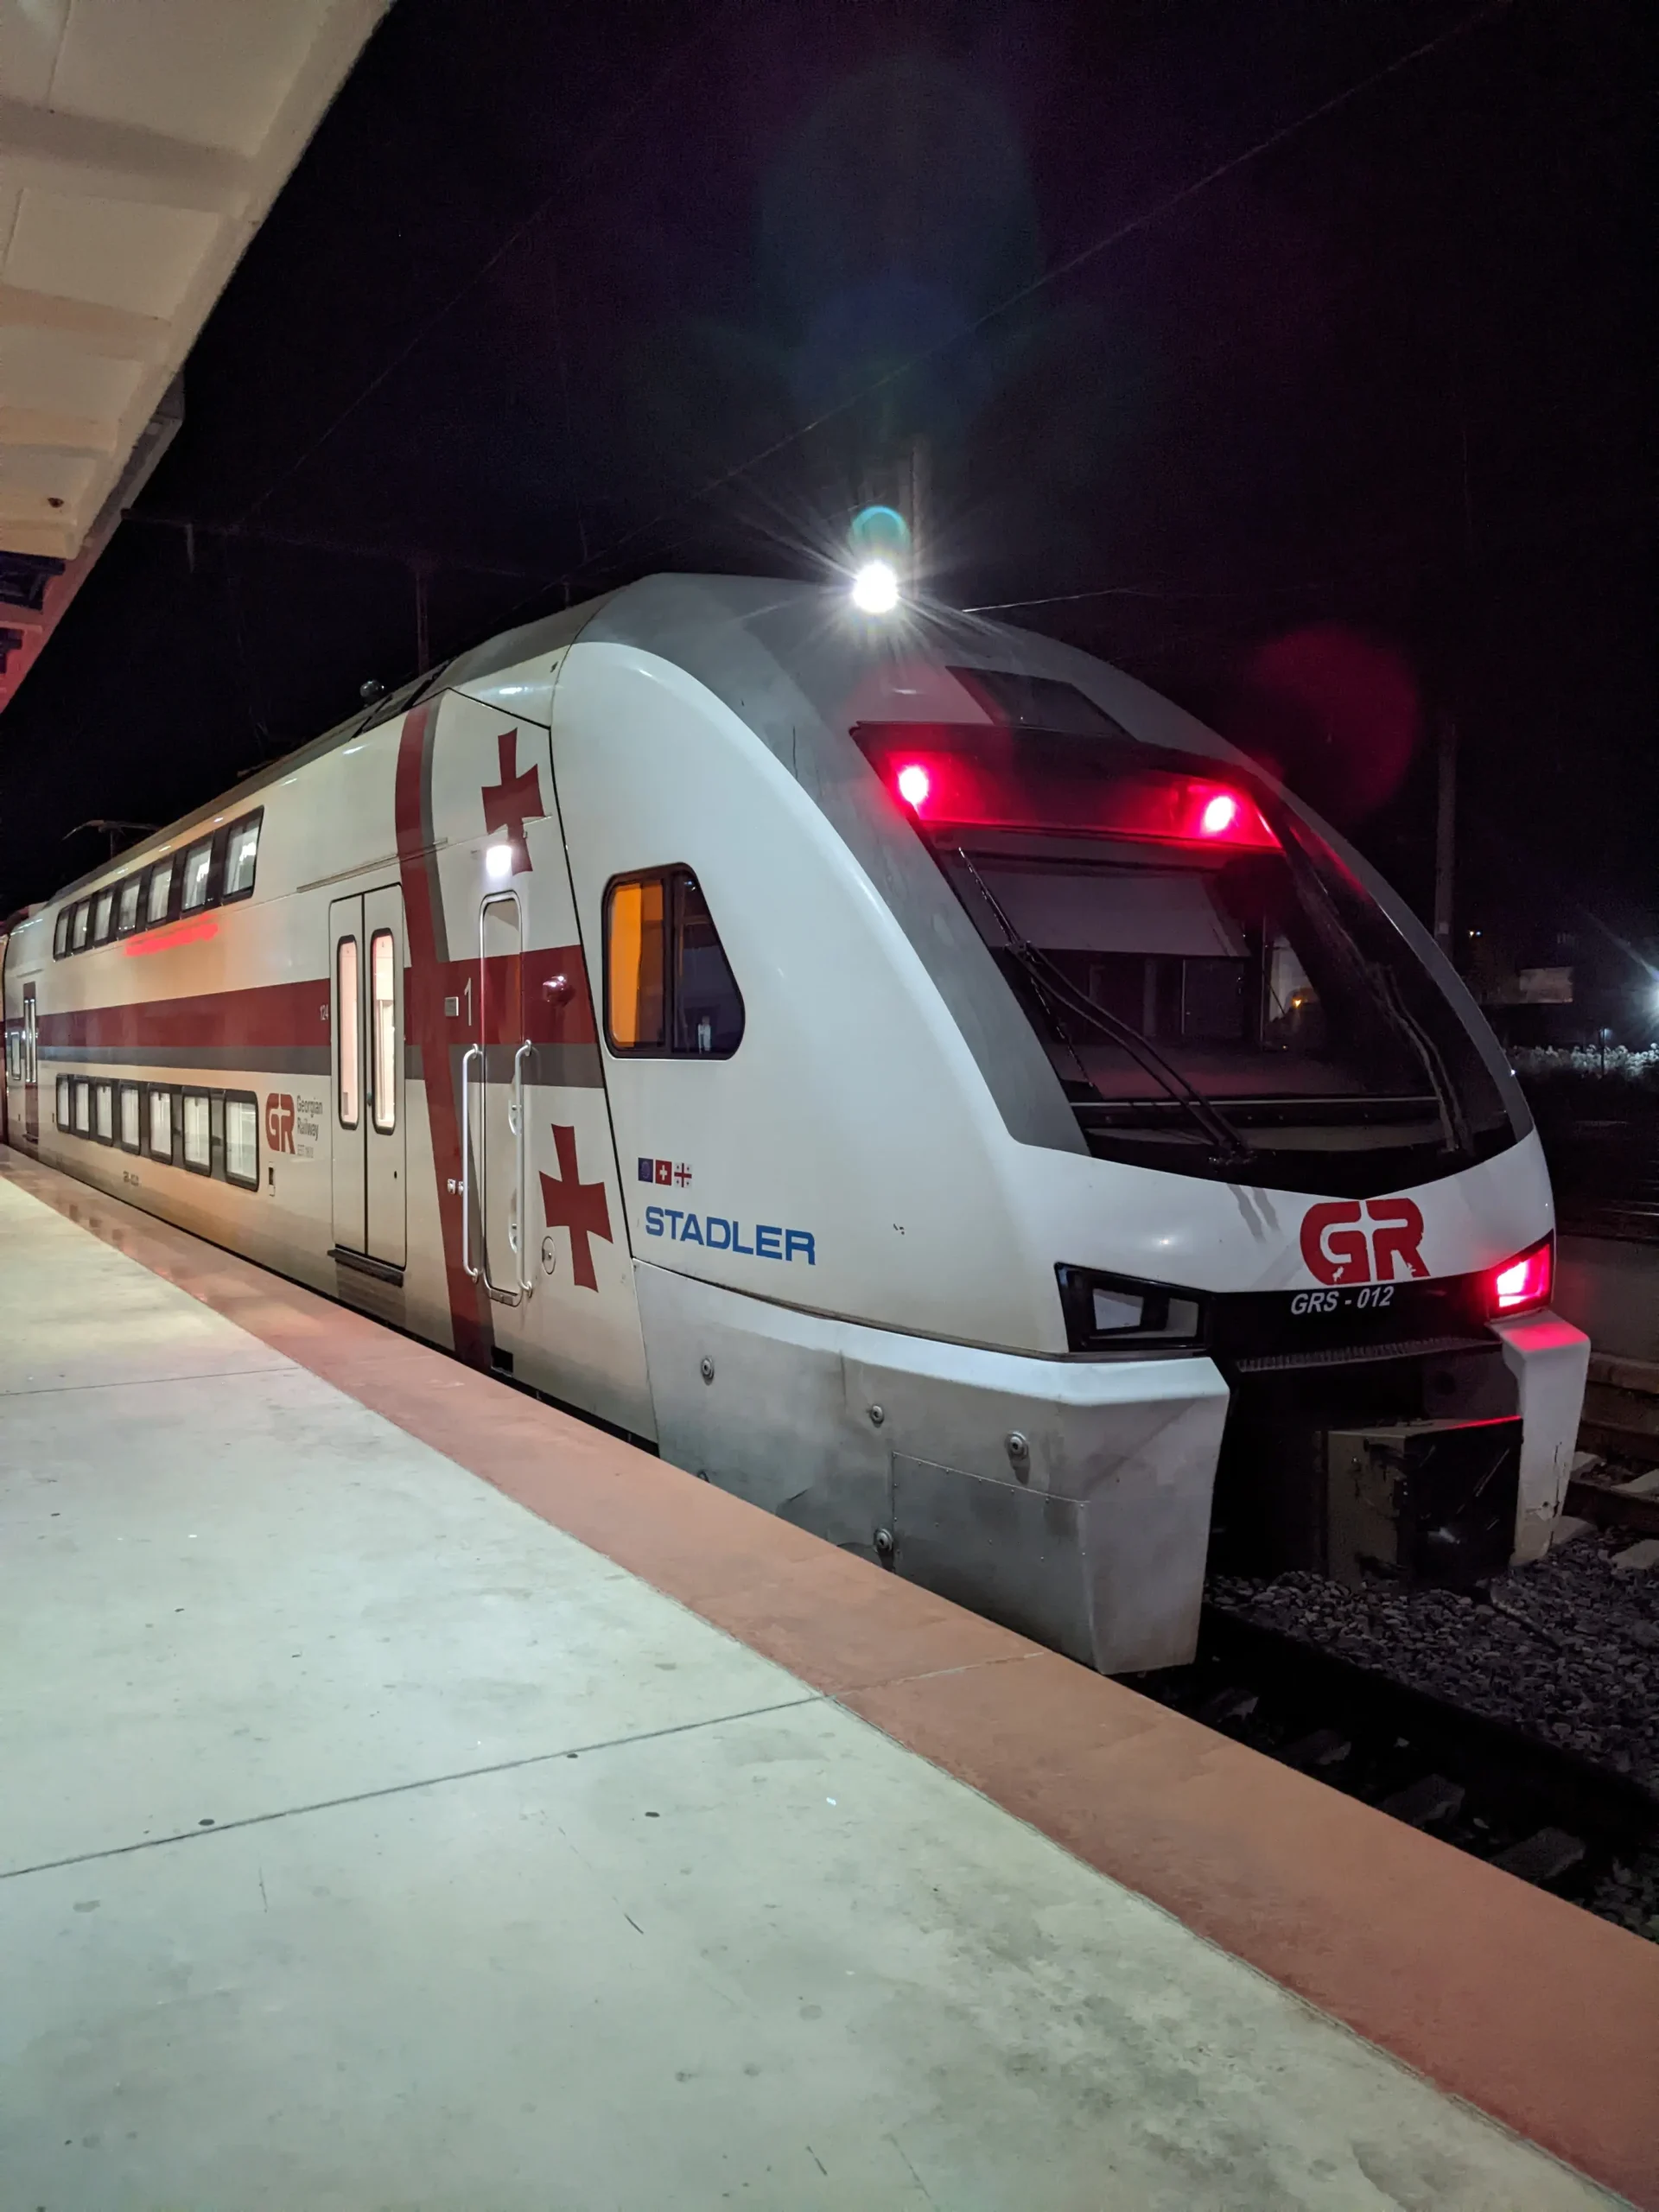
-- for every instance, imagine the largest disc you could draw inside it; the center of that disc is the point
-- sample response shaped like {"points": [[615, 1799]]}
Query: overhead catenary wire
{"points": [[1143, 219], [704, 31]]}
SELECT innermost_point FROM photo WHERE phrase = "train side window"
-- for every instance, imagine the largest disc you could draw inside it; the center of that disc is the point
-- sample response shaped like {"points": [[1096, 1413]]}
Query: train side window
{"points": [[83, 1106], [126, 912], [66, 1101], [104, 1112], [82, 928], [669, 987], [198, 1133], [383, 1029], [160, 890], [349, 1099], [242, 1139], [161, 1126], [60, 933], [197, 863], [131, 1118], [104, 916], [241, 854]]}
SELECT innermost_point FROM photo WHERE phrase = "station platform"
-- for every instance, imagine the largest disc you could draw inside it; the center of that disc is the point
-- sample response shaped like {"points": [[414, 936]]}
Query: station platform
{"points": [[412, 1797]]}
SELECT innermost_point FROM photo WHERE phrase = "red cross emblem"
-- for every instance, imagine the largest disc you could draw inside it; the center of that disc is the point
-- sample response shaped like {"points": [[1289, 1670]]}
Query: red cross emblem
{"points": [[580, 1207], [507, 804]]}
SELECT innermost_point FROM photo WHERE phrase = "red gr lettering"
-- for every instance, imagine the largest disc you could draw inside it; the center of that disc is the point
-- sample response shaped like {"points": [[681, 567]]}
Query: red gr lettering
{"points": [[279, 1121], [1396, 1233], [1336, 1248], [1334, 1251]]}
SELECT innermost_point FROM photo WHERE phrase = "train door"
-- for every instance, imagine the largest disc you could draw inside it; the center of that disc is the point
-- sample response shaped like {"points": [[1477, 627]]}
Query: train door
{"points": [[365, 936], [31, 1068], [498, 1125]]}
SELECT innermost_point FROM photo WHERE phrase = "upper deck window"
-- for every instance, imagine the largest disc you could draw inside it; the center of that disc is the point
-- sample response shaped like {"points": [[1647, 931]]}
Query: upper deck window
{"points": [[127, 911], [161, 887], [198, 863], [83, 925], [103, 916], [60, 933], [241, 853]]}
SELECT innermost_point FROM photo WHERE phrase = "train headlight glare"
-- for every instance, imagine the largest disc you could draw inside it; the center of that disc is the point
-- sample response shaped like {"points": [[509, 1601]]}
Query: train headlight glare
{"points": [[875, 587], [497, 862]]}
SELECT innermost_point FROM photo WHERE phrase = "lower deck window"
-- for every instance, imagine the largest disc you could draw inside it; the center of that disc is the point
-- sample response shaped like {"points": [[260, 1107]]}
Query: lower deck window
{"points": [[83, 1106], [161, 1125], [242, 1141], [104, 1104], [66, 1101], [129, 1117], [197, 1132]]}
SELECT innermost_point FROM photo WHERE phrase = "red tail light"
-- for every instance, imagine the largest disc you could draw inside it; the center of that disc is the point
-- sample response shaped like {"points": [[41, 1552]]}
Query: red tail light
{"points": [[954, 788], [1525, 1281]]}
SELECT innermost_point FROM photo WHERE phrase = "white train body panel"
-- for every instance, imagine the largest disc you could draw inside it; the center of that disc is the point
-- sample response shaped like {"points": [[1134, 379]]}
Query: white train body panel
{"points": [[820, 1270]]}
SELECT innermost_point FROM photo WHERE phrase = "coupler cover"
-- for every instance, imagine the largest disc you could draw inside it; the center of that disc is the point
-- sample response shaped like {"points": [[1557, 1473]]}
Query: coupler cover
{"points": [[1429, 1501]]}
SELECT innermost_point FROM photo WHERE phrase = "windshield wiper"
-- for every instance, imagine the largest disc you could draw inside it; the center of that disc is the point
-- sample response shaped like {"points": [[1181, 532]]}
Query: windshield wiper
{"points": [[1232, 1149], [1385, 985]]}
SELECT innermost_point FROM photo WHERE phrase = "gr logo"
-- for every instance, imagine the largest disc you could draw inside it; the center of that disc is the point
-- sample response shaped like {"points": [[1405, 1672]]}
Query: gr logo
{"points": [[1348, 1241], [279, 1121]]}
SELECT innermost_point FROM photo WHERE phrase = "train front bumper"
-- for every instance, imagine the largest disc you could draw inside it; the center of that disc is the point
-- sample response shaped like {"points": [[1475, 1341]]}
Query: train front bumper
{"points": [[1067, 1498]]}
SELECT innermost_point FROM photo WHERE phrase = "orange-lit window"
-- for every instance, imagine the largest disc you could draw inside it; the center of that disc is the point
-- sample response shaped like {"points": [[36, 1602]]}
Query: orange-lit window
{"points": [[636, 966], [383, 1027], [345, 1006], [669, 987]]}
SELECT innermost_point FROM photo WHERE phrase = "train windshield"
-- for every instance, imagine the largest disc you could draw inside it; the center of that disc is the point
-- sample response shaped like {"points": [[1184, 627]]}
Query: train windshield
{"points": [[1216, 990]]}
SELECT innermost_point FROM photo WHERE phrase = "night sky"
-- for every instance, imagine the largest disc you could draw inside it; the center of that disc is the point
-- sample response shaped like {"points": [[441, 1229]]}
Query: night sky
{"points": [[1349, 439]]}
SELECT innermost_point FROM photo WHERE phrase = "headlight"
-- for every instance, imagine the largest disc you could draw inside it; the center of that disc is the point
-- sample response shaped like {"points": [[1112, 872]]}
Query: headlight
{"points": [[1115, 1313]]}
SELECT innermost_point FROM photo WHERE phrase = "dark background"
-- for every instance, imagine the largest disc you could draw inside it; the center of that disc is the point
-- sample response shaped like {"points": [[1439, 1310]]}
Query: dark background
{"points": [[1344, 441]]}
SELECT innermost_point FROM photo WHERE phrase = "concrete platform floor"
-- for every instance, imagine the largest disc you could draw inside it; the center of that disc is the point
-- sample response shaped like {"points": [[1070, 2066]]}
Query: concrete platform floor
{"points": [[367, 1841]]}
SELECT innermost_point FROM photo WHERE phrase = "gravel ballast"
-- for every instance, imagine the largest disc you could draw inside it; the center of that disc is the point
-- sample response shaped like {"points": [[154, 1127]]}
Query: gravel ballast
{"points": [[1566, 1649]]}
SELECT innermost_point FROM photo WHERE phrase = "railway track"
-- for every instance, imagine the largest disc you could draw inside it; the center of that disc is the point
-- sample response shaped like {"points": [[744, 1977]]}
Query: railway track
{"points": [[1536, 1810]]}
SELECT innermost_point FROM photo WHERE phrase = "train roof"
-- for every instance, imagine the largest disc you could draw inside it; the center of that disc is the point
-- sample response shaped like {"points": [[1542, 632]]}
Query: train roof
{"points": [[767, 646]]}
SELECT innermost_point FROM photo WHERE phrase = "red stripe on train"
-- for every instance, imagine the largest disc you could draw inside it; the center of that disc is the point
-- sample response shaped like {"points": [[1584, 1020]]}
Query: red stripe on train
{"points": [[294, 1014], [440, 1042], [268, 1014]]}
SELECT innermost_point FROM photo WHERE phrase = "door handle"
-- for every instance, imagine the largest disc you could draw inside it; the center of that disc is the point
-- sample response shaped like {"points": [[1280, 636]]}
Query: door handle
{"points": [[467, 1059], [520, 1130]]}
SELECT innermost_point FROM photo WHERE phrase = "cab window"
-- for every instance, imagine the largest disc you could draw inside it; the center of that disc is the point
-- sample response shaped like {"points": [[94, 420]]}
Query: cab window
{"points": [[669, 987]]}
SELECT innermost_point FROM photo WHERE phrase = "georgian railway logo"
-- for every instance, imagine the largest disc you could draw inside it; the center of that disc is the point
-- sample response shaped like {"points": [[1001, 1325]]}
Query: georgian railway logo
{"points": [[1350, 1240], [569, 1203], [279, 1121]]}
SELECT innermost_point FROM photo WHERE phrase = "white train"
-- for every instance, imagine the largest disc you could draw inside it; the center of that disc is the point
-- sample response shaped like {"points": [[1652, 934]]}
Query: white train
{"points": [[908, 1072]]}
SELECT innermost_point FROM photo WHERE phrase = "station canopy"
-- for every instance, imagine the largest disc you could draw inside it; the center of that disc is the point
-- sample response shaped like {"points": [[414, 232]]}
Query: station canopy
{"points": [[142, 142]]}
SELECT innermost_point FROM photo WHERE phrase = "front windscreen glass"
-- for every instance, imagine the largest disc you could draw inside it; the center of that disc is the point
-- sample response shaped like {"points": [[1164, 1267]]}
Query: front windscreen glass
{"points": [[1214, 989]]}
